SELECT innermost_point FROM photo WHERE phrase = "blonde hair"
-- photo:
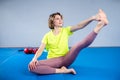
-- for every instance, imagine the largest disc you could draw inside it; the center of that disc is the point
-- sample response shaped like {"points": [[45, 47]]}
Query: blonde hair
{"points": [[51, 18]]}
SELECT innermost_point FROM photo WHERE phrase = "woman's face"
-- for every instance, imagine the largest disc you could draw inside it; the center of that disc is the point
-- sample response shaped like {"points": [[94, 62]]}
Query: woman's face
{"points": [[58, 21]]}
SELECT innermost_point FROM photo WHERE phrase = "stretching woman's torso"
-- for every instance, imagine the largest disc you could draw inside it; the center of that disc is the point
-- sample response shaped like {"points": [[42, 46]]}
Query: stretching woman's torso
{"points": [[57, 45]]}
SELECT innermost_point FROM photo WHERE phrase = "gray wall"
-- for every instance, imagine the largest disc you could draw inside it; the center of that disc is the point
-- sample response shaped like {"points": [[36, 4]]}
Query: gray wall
{"points": [[23, 23]]}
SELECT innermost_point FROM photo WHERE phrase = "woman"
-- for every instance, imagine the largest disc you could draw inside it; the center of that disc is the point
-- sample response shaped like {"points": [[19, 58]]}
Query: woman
{"points": [[56, 42]]}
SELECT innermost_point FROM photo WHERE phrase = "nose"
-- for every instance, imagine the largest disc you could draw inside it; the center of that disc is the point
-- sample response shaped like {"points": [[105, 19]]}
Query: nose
{"points": [[60, 20]]}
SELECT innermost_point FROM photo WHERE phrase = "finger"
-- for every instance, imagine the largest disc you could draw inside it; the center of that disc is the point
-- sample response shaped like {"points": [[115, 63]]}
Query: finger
{"points": [[36, 62], [98, 17], [30, 67], [34, 65]]}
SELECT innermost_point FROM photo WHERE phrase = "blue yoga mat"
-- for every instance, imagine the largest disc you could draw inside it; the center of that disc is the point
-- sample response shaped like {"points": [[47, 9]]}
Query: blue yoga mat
{"points": [[101, 63]]}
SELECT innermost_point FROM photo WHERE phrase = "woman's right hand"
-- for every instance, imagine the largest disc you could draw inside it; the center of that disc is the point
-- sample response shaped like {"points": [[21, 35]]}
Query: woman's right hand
{"points": [[32, 64]]}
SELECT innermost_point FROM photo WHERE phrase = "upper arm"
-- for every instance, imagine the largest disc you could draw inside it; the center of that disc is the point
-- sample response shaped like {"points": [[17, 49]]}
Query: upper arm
{"points": [[42, 46]]}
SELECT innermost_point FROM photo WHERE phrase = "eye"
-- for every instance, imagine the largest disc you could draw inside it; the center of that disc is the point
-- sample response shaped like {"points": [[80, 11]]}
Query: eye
{"points": [[57, 18]]}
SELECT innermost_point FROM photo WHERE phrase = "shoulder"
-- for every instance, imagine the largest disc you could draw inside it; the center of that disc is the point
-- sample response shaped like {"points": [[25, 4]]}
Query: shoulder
{"points": [[45, 37], [67, 28], [48, 33]]}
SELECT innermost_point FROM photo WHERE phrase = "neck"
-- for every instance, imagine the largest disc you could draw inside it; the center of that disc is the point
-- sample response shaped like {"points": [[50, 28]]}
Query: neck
{"points": [[56, 30], [57, 27]]}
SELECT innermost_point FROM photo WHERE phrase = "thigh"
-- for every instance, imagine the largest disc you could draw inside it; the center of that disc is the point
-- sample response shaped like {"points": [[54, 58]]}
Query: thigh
{"points": [[54, 62]]}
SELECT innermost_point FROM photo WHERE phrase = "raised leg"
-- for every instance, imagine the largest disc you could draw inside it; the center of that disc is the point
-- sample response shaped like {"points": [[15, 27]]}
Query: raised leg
{"points": [[72, 54], [75, 50]]}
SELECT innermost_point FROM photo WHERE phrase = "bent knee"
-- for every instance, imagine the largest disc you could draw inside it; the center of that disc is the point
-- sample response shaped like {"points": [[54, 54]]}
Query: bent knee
{"points": [[31, 69]]}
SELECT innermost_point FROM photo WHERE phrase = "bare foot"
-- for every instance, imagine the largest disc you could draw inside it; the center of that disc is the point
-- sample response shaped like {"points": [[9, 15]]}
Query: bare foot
{"points": [[99, 26], [103, 16], [68, 70]]}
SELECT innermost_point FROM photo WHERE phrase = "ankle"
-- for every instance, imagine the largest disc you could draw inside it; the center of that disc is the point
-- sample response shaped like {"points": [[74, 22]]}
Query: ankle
{"points": [[99, 26], [65, 70], [61, 70]]}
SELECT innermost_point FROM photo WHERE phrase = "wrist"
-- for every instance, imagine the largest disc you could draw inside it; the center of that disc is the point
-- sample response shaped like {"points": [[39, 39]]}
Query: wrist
{"points": [[34, 59], [93, 18]]}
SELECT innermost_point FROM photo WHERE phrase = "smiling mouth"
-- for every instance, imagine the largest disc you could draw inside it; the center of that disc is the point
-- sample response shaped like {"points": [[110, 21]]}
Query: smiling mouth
{"points": [[60, 23]]}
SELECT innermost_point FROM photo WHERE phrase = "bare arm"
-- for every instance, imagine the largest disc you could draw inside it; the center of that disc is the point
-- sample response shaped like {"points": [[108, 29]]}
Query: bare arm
{"points": [[83, 24], [32, 64], [39, 52]]}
